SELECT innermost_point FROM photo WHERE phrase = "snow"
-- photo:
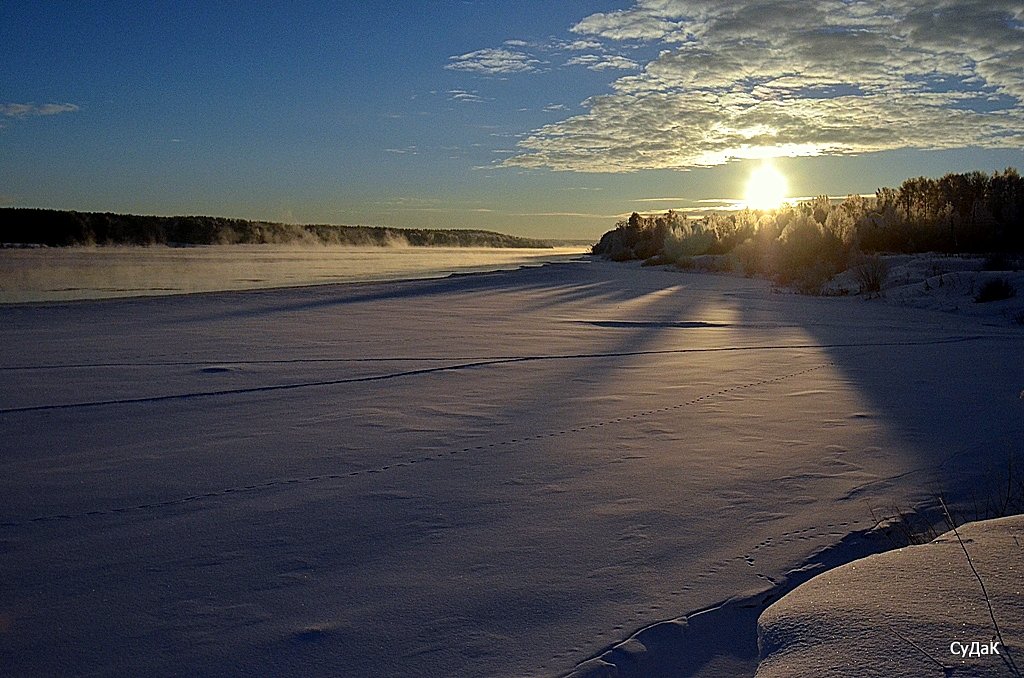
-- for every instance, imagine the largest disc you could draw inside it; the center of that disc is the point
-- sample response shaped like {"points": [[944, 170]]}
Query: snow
{"points": [[500, 474], [899, 613], [945, 283]]}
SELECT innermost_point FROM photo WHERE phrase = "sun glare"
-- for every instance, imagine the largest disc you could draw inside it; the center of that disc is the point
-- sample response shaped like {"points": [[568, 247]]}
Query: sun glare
{"points": [[767, 188]]}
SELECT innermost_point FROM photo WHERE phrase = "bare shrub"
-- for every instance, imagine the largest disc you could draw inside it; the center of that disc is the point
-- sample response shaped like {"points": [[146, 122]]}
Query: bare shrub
{"points": [[686, 263], [871, 274], [752, 257]]}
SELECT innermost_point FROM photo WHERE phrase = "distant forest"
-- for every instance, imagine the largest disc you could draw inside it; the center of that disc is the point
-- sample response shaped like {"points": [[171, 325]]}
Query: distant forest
{"points": [[809, 242], [63, 228]]}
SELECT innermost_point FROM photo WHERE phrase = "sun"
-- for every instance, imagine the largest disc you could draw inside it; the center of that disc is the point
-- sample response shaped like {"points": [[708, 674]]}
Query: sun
{"points": [[767, 188]]}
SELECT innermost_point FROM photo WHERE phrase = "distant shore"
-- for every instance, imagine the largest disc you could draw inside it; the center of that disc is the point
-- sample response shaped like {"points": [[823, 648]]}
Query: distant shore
{"points": [[61, 228]]}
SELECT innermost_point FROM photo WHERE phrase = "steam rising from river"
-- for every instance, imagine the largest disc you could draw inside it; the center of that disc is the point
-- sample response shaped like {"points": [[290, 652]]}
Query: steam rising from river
{"points": [[49, 274]]}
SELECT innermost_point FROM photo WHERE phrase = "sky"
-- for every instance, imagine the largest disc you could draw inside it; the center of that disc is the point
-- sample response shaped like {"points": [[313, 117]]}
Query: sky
{"points": [[537, 118]]}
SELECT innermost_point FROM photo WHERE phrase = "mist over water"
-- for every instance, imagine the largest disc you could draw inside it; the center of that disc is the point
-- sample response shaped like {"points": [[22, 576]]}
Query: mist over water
{"points": [[57, 274]]}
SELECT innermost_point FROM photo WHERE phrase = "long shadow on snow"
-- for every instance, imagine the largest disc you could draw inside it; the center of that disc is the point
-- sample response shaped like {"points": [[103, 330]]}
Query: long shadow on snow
{"points": [[945, 388]]}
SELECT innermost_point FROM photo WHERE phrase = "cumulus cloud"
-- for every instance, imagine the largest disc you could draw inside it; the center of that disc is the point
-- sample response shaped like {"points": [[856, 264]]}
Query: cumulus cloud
{"points": [[493, 62], [640, 23], [601, 62], [34, 110], [769, 78]]}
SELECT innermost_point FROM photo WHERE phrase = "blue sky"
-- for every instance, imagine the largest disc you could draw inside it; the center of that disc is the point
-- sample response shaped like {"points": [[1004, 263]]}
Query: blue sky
{"points": [[548, 119]]}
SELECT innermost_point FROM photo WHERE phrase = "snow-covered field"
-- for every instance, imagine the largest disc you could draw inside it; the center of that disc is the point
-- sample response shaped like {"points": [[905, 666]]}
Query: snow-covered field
{"points": [[952, 607], [502, 474]]}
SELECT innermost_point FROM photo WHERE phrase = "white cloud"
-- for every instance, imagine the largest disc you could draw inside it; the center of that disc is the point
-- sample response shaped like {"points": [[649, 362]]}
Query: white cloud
{"points": [[493, 62], [602, 62], [521, 56], [582, 45], [641, 23], [465, 96], [769, 78], [33, 110]]}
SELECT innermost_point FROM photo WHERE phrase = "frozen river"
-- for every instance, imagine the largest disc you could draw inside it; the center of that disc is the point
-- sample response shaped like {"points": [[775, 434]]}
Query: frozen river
{"points": [[501, 474]]}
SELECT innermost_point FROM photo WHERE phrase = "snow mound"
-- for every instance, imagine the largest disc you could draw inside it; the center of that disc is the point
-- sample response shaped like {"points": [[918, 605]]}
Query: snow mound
{"points": [[952, 284], [910, 612]]}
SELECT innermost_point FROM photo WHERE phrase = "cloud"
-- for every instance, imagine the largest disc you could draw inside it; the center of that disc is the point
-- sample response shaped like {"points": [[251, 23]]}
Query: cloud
{"points": [[521, 56], [466, 96], [597, 62], [35, 110], [640, 23], [771, 78], [588, 215], [582, 45], [493, 62]]}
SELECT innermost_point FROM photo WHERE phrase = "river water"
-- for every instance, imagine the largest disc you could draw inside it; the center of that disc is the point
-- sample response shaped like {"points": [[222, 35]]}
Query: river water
{"points": [[56, 274]]}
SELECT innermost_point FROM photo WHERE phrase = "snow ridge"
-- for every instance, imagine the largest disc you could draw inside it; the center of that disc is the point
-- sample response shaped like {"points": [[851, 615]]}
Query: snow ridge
{"points": [[724, 635]]}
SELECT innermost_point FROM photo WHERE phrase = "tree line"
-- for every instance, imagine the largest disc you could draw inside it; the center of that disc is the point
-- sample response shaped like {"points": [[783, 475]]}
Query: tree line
{"points": [[58, 228], [809, 242]]}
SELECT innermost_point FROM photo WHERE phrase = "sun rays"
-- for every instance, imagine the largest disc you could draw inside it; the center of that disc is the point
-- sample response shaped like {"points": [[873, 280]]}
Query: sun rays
{"points": [[767, 188]]}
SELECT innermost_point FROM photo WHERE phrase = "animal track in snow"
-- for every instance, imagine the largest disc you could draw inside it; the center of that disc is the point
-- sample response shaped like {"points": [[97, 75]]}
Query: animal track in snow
{"points": [[181, 501]]}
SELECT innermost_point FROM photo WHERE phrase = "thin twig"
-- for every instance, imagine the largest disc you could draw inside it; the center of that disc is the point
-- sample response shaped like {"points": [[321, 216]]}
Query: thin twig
{"points": [[988, 601], [919, 648]]}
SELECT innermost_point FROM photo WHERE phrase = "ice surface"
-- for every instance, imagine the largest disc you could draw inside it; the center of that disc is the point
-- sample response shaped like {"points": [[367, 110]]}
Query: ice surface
{"points": [[499, 474]]}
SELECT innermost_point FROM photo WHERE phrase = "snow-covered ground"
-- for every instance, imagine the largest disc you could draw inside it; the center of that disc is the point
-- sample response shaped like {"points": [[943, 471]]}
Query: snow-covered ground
{"points": [[504, 474], [953, 607], [950, 284]]}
